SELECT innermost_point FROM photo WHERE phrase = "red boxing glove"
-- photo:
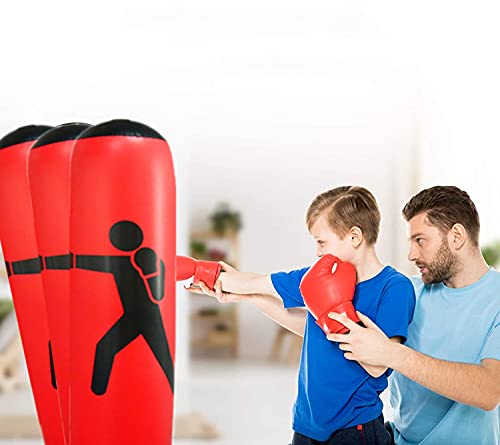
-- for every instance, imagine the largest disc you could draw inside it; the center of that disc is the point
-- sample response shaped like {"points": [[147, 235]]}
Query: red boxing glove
{"points": [[328, 286], [206, 271]]}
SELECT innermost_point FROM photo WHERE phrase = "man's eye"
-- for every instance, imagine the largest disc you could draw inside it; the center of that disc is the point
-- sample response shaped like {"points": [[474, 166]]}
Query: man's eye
{"points": [[419, 241]]}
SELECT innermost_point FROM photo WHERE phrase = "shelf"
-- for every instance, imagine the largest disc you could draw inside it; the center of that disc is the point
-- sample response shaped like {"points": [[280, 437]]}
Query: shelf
{"points": [[204, 334], [228, 243], [214, 317], [208, 344]]}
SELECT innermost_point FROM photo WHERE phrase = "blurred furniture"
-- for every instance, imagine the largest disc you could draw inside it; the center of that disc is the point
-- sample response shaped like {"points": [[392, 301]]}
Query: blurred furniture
{"points": [[4, 282], [19, 426], [279, 352], [194, 426], [214, 325], [10, 350]]}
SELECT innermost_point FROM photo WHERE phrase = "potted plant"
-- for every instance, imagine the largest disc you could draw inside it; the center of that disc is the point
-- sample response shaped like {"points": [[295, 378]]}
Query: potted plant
{"points": [[198, 249], [6, 306], [224, 220], [491, 253]]}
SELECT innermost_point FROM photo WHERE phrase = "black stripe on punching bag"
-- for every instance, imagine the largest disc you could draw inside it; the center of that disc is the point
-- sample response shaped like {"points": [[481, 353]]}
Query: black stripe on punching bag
{"points": [[52, 368], [27, 267], [59, 262], [61, 133], [23, 134], [121, 127]]}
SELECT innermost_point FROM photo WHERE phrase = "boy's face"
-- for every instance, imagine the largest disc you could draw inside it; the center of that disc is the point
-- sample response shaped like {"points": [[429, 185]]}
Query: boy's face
{"points": [[327, 241], [430, 251]]}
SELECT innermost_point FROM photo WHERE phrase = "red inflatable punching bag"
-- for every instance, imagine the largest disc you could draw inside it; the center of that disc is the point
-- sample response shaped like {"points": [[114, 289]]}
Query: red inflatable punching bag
{"points": [[17, 234], [48, 171], [122, 236]]}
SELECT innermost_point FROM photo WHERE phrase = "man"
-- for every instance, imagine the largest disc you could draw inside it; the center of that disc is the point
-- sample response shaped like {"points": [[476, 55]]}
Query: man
{"points": [[446, 384]]}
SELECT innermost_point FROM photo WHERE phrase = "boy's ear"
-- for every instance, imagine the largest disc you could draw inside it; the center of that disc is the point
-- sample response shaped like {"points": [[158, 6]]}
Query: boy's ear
{"points": [[356, 235]]}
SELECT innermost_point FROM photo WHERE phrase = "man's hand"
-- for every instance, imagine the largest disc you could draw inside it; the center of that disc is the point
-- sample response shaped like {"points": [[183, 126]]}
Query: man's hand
{"points": [[365, 345]]}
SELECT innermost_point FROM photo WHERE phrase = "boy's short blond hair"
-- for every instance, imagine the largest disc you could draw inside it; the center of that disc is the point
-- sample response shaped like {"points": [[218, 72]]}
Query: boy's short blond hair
{"points": [[347, 207]]}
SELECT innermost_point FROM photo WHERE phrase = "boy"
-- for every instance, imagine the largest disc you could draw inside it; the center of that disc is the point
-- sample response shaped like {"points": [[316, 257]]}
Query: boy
{"points": [[338, 400]]}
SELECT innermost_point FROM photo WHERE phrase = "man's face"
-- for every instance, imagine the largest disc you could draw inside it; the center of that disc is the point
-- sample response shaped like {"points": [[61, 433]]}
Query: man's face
{"points": [[430, 251], [327, 241]]}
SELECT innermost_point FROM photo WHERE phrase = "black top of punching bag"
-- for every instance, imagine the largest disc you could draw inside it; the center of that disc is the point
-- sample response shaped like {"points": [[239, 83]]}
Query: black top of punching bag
{"points": [[121, 127], [61, 133], [23, 134]]}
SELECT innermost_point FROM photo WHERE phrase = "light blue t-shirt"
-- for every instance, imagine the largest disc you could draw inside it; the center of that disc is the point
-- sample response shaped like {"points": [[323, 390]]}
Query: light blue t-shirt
{"points": [[458, 325]]}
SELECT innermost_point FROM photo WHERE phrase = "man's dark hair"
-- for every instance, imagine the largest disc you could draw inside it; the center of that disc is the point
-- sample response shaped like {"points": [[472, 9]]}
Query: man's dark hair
{"points": [[445, 206]]}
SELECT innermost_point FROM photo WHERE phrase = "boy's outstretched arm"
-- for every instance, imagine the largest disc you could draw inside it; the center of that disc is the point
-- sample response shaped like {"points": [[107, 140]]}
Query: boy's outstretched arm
{"points": [[245, 283], [258, 290]]}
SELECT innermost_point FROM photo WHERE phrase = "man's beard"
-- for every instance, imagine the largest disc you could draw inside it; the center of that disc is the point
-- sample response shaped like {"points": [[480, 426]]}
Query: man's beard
{"points": [[443, 266]]}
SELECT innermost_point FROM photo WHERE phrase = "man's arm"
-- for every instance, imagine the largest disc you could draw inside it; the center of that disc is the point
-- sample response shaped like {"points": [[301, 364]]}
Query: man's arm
{"points": [[471, 384], [475, 385], [377, 371]]}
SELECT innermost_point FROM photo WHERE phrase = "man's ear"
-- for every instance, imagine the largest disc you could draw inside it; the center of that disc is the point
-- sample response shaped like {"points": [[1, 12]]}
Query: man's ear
{"points": [[457, 236], [356, 235]]}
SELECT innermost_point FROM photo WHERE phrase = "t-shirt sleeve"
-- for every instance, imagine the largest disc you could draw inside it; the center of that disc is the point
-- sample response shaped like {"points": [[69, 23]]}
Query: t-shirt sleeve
{"points": [[395, 311], [287, 284], [491, 347]]}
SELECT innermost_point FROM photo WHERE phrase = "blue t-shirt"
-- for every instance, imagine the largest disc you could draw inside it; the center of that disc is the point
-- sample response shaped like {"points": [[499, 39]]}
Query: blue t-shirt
{"points": [[458, 325], [335, 393]]}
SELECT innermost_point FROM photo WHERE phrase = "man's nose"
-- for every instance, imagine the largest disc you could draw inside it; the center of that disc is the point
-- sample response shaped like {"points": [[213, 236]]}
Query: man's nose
{"points": [[412, 254]]}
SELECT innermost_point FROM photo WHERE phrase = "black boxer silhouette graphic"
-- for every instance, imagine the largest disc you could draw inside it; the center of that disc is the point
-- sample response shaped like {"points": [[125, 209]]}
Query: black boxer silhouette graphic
{"points": [[139, 278]]}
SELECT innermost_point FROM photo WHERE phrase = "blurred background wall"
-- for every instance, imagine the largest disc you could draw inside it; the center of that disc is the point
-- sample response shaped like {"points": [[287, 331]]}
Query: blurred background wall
{"points": [[266, 104]]}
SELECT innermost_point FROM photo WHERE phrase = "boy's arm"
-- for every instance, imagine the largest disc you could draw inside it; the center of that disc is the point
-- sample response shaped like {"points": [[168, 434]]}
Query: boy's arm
{"points": [[293, 319], [241, 283], [258, 289], [245, 283]]}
